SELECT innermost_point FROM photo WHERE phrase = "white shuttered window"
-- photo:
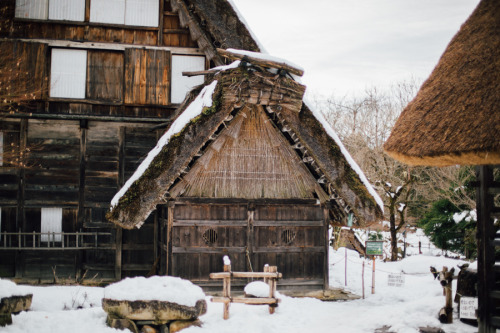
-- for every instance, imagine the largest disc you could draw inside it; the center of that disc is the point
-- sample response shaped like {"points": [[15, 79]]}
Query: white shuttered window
{"points": [[107, 11], [130, 12], [181, 85], [32, 9], [142, 12], [51, 223], [67, 10], [68, 73]]}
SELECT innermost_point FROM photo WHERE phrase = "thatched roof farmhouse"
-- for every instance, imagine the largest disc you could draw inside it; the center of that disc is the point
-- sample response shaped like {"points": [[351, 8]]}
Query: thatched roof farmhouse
{"points": [[455, 119]]}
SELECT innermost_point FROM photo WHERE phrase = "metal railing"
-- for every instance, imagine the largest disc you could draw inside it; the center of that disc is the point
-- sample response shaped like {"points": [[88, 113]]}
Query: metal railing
{"points": [[56, 240]]}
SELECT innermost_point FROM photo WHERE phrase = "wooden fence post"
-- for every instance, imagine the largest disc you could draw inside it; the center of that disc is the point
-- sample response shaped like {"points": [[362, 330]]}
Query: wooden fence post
{"points": [[272, 287], [226, 291]]}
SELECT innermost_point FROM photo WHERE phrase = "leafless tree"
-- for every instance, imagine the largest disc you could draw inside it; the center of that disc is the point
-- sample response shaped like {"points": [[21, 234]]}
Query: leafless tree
{"points": [[364, 124]]}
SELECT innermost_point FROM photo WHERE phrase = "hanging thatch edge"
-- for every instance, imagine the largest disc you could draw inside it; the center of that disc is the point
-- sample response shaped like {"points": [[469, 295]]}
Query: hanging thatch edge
{"points": [[467, 158]]}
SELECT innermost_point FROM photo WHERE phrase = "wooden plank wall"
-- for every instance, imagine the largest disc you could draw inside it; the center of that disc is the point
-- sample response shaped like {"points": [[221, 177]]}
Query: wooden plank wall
{"points": [[105, 76], [147, 76], [169, 33], [293, 238], [139, 253], [290, 236], [193, 257]]}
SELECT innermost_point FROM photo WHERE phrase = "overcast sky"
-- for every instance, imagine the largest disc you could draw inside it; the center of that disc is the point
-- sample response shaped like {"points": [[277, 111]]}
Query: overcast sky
{"points": [[348, 45]]}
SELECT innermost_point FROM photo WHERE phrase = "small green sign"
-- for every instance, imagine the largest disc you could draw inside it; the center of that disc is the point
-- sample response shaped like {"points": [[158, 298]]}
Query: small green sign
{"points": [[374, 248]]}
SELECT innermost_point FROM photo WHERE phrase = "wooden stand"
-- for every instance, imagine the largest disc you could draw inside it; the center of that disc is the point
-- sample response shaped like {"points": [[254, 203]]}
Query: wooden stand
{"points": [[446, 280], [270, 276]]}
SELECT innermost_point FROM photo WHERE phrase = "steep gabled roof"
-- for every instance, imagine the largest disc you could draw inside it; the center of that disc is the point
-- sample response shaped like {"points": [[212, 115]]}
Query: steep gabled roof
{"points": [[455, 117], [215, 24], [211, 108]]}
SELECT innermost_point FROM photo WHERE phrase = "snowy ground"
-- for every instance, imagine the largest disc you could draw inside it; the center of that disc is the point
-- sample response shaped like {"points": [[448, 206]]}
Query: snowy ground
{"points": [[406, 308]]}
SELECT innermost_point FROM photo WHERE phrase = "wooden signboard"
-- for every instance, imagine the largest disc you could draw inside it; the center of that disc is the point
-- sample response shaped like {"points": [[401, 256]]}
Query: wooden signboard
{"points": [[374, 248]]}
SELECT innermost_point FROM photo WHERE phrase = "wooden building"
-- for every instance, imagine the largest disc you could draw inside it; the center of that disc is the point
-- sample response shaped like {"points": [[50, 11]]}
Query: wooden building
{"points": [[253, 174], [108, 80], [455, 119]]}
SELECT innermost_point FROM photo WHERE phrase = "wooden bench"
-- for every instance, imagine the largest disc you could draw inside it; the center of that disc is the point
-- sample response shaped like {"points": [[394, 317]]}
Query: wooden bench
{"points": [[270, 275]]}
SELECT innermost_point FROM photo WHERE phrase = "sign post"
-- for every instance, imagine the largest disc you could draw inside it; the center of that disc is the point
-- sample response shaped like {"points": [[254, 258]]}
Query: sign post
{"points": [[374, 248]]}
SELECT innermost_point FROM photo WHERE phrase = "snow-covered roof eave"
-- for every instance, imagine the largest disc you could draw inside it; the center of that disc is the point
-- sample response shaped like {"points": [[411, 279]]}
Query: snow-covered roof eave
{"points": [[329, 130], [203, 100]]}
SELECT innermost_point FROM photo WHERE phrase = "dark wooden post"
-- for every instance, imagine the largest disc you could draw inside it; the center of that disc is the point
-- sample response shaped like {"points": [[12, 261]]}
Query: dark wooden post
{"points": [[81, 194], [326, 274], [170, 225], [20, 213], [486, 254]]}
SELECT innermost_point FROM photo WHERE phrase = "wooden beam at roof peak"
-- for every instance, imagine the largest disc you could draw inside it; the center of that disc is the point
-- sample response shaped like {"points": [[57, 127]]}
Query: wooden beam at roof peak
{"points": [[261, 62]]}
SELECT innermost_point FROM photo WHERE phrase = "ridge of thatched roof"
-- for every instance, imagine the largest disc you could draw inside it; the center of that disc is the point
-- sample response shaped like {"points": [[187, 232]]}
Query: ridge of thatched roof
{"points": [[224, 24], [455, 117], [233, 88]]}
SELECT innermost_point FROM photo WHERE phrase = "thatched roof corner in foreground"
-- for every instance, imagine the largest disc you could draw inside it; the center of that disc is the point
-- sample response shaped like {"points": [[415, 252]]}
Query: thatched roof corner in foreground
{"points": [[455, 117], [280, 100]]}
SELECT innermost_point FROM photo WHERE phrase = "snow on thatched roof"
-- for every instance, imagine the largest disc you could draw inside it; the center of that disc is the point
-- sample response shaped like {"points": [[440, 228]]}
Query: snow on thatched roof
{"points": [[455, 117], [210, 110]]}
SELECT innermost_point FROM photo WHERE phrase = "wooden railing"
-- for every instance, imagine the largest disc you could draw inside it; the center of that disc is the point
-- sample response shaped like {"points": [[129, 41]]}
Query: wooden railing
{"points": [[55, 240], [270, 275]]}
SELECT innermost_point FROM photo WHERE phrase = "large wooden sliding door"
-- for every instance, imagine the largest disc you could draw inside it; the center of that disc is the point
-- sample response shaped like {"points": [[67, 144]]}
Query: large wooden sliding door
{"points": [[290, 236]]}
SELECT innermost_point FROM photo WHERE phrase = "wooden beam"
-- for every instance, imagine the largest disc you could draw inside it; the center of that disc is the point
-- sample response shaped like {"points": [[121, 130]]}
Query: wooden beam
{"points": [[257, 275], [198, 73], [261, 62], [247, 300], [160, 23]]}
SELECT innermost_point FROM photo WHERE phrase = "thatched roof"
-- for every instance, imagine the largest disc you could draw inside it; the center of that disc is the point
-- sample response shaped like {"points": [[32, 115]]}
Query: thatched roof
{"points": [[455, 117], [224, 24], [280, 100], [215, 24]]}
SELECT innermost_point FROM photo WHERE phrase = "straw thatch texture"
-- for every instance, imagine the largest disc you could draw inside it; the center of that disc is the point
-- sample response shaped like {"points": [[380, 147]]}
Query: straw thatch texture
{"points": [[250, 159], [455, 117]]}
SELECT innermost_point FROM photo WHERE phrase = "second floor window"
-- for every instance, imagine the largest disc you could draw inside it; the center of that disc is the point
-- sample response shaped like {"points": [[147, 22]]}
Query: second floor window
{"points": [[61, 10], [68, 73], [129, 12]]}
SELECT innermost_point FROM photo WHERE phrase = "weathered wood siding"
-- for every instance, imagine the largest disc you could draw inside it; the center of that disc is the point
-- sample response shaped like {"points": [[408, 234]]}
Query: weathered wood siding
{"points": [[168, 33], [147, 74], [105, 76], [291, 236]]}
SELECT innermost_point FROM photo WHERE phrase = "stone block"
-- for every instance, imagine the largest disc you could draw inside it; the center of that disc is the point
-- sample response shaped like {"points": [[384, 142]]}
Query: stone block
{"points": [[157, 311], [179, 325]]}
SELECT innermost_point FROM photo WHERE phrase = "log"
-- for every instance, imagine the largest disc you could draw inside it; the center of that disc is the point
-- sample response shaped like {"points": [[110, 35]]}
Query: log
{"points": [[261, 62]]}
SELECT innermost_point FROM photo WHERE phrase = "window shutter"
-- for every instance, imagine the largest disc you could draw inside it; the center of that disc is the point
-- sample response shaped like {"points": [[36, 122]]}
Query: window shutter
{"points": [[68, 73], [147, 76], [67, 10], [32, 9], [105, 76], [107, 11], [142, 12], [51, 222]]}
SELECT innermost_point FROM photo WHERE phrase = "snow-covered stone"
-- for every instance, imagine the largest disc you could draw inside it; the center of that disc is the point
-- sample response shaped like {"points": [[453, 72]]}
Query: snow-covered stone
{"points": [[156, 288]]}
